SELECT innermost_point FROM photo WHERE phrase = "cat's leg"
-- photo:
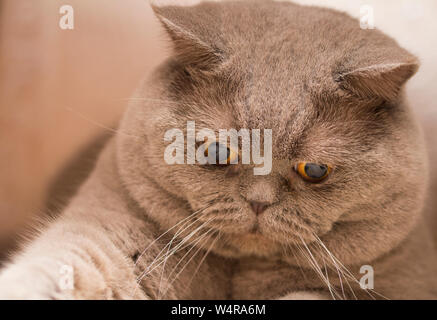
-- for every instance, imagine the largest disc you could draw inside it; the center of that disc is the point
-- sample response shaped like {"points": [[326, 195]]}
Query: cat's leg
{"points": [[103, 245], [71, 260], [87, 253]]}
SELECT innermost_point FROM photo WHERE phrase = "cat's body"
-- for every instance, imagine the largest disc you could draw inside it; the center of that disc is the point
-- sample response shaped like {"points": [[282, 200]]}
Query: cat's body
{"points": [[332, 93], [105, 216]]}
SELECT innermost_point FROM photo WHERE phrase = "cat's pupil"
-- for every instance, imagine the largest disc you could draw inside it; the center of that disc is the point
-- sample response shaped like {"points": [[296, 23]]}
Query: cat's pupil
{"points": [[218, 152], [315, 170]]}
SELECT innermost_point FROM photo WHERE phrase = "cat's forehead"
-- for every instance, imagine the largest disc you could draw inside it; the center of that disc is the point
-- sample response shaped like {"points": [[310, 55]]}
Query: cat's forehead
{"points": [[277, 32], [281, 68], [285, 60], [286, 56], [282, 105]]}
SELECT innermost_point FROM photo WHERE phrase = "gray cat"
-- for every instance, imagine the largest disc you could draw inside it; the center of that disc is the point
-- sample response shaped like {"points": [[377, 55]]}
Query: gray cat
{"points": [[346, 189]]}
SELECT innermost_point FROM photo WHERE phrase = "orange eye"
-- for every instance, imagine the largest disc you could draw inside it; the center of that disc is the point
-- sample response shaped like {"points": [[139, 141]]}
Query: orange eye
{"points": [[218, 153], [313, 172]]}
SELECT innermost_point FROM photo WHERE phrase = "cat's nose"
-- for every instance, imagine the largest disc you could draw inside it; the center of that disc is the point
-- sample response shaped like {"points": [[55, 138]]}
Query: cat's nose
{"points": [[258, 207]]}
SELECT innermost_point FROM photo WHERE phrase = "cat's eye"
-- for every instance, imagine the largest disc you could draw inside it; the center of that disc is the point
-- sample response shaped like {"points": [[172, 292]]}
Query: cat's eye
{"points": [[220, 154], [313, 172]]}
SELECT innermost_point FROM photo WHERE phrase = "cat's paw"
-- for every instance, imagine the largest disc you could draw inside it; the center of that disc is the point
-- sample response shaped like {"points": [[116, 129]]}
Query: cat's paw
{"points": [[304, 295], [16, 284]]}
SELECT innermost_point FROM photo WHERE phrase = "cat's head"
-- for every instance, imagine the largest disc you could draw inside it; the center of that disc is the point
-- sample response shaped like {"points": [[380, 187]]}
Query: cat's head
{"points": [[332, 95]]}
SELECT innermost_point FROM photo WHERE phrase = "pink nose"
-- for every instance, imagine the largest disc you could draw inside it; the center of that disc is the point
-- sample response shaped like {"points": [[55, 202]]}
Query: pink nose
{"points": [[258, 207]]}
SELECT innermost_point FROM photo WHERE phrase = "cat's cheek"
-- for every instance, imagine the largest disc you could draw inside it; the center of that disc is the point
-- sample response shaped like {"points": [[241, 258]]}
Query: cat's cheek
{"points": [[304, 295]]}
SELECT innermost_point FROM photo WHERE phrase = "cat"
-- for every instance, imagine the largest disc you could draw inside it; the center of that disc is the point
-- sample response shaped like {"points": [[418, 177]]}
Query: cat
{"points": [[346, 190]]}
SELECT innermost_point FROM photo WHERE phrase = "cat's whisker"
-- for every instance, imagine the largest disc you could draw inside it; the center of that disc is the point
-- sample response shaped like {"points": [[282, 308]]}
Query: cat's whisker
{"points": [[219, 234], [163, 234], [165, 262], [101, 125], [317, 268], [340, 266], [166, 259], [159, 292], [349, 286], [193, 256], [326, 272], [167, 256], [187, 224], [151, 268], [297, 260], [208, 234], [348, 273], [339, 272], [149, 99], [159, 257], [318, 271]]}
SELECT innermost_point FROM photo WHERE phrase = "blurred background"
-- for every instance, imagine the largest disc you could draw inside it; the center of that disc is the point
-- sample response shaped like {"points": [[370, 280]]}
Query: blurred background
{"points": [[61, 90]]}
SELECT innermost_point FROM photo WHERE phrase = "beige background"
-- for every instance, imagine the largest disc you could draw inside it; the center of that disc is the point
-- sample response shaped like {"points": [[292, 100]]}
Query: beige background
{"points": [[60, 88]]}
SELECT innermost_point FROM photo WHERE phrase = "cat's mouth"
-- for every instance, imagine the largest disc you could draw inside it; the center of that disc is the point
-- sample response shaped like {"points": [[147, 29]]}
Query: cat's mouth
{"points": [[270, 231], [255, 228], [251, 235]]}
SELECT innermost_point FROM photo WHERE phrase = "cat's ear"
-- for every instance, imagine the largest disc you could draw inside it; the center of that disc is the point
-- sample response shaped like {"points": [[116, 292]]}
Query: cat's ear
{"points": [[193, 42], [381, 73]]}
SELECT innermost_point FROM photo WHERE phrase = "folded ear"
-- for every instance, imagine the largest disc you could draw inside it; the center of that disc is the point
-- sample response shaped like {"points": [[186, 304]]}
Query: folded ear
{"points": [[378, 72], [192, 38]]}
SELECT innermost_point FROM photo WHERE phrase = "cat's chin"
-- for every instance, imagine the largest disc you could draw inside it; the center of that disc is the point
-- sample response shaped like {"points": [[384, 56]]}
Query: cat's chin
{"points": [[248, 244]]}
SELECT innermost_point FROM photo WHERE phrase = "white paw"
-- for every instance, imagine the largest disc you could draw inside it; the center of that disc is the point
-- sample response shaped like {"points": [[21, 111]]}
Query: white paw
{"points": [[304, 295], [19, 284]]}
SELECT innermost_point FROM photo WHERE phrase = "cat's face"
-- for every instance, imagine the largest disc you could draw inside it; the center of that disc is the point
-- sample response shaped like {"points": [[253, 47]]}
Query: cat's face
{"points": [[329, 91]]}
